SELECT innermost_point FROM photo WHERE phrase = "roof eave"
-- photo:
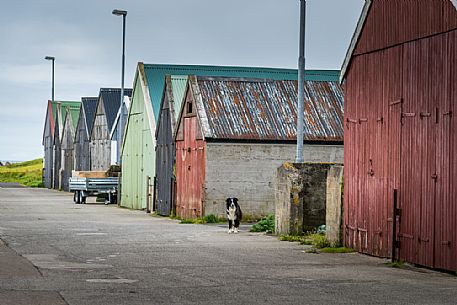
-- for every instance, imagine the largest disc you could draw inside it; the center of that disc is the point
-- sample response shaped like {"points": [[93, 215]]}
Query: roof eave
{"points": [[201, 112], [355, 39]]}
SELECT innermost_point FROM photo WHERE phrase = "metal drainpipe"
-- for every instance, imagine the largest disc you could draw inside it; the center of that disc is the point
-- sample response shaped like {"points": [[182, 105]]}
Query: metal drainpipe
{"points": [[301, 84]]}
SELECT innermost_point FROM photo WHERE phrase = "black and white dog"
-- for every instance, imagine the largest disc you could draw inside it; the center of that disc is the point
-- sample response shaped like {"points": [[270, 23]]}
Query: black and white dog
{"points": [[234, 214]]}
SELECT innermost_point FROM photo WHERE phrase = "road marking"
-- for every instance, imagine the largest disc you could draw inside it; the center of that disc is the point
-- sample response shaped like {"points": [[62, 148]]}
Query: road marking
{"points": [[91, 234]]}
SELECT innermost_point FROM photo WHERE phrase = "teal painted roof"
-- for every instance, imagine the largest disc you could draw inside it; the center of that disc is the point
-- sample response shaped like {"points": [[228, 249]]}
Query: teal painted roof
{"points": [[155, 76], [75, 116], [72, 106], [178, 84]]}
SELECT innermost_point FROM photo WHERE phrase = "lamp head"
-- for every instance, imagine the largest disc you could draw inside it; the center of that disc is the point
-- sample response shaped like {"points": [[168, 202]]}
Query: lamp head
{"points": [[50, 58], [119, 12]]}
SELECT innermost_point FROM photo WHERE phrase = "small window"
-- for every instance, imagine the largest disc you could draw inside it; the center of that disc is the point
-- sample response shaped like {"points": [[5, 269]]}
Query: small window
{"points": [[189, 107]]}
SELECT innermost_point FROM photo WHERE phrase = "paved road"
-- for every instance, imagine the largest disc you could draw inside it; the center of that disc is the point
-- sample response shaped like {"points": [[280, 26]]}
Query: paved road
{"points": [[56, 252], [10, 185]]}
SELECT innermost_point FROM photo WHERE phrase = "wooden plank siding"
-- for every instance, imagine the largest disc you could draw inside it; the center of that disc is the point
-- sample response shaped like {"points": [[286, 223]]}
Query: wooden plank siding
{"points": [[165, 155], [137, 153], [48, 148], [82, 145], [100, 143], [190, 162], [400, 91], [57, 155], [83, 132]]}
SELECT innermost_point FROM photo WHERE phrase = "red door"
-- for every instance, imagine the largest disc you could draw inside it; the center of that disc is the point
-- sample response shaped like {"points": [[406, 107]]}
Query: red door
{"points": [[190, 171]]}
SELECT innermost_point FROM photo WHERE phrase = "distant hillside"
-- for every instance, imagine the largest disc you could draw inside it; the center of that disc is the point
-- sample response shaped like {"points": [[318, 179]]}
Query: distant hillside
{"points": [[27, 173]]}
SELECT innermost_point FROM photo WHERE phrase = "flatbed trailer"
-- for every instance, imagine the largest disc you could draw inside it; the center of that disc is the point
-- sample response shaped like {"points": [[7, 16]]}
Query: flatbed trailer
{"points": [[85, 187]]}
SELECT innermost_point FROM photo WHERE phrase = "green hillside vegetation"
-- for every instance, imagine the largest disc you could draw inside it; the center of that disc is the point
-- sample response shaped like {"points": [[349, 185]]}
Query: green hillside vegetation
{"points": [[27, 173]]}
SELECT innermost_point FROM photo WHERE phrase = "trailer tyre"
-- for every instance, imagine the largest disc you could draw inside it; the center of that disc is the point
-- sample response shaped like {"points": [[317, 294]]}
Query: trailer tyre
{"points": [[78, 197]]}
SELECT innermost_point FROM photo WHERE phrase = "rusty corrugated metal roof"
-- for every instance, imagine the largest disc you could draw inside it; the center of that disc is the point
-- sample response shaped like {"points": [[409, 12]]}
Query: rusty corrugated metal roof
{"points": [[255, 109]]}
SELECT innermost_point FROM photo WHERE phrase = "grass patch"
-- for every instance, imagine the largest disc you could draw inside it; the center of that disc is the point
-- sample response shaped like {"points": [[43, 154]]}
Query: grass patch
{"points": [[336, 250], [396, 264], [214, 219], [250, 218], [317, 240], [265, 225], [291, 238], [192, 221], [202, 220], [27, 173]]}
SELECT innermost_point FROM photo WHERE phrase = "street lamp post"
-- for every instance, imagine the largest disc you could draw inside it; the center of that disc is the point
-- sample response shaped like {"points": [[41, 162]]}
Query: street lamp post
{"points": [[53, 59], [120, 129], [47, 166], [301, 84]]}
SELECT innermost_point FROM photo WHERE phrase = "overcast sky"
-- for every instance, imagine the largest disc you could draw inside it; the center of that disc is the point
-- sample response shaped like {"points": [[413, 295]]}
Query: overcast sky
{"points": [[86, 40]]}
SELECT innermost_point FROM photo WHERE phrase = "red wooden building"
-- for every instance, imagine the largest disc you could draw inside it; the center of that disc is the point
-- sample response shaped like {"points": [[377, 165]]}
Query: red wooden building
{"points": [[400, 77]]}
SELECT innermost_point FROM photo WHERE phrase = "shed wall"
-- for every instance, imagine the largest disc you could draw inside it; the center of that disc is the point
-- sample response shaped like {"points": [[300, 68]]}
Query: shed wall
{"points": [[48, 155], [82, 150], [248, 172], [190, 170], [100, 144], [398, 135], [67, 163], [57, 155], [394, 22], [138, 155], [165, 160]]}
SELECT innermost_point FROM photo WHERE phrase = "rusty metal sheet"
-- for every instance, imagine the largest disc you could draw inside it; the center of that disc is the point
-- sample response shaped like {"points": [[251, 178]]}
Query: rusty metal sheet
{"points": [[251, 109]]}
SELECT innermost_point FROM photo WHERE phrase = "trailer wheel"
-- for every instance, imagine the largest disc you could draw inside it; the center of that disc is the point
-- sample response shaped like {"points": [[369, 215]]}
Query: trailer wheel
{"points": [[78, 197], [108, 200], [83, 198], [74, 196]]}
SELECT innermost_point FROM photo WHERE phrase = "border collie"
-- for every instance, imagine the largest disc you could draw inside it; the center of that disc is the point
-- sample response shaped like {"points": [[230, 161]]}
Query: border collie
{"points": [[234, 214]]}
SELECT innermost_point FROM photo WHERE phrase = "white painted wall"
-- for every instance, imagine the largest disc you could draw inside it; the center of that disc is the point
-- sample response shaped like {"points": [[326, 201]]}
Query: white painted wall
{"points": [[248, 171]]}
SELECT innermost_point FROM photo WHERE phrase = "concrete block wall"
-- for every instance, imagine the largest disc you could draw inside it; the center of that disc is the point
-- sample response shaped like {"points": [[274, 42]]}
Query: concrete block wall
{"points": [[334, 205], [309, 195], [248, 171]]}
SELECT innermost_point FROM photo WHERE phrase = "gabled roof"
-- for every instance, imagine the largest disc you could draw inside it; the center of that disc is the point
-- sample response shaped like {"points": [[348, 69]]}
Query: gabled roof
{"points": [[357, 34], [155, 76], [111, 101], [72, 114], [264, 110], [175, 88], [61, 108], [89, 108], [55, 113], [49, 118], [118, 115]]}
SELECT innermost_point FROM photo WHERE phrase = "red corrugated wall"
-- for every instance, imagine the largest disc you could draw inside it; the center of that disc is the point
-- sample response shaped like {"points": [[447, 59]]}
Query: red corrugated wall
{"points": [[398, 135]]}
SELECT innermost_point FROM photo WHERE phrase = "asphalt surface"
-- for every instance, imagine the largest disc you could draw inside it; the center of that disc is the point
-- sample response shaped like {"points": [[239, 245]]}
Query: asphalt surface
{"points": [[56, 252]]}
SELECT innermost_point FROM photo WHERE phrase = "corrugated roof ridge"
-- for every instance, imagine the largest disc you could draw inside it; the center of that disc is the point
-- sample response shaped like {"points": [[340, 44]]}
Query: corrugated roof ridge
{"points": [[239, 68], [215, 67]]}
